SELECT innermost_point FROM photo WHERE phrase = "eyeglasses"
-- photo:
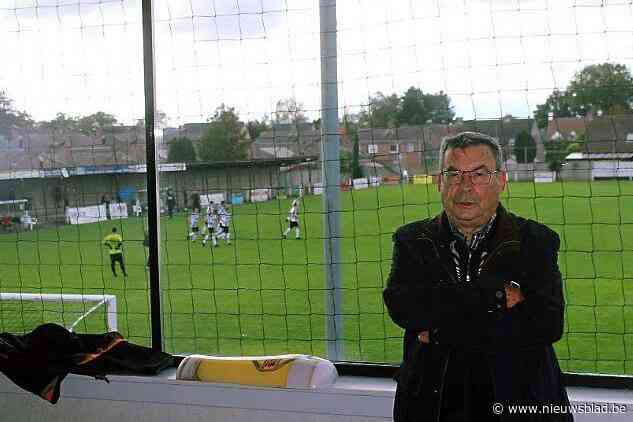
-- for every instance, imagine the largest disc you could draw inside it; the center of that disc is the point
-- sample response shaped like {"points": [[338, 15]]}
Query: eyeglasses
{"points": [[477, 177]]}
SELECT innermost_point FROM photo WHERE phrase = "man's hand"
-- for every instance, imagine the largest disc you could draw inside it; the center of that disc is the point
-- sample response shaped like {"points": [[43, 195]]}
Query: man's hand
{"points": [[513, 295], [423, 337]]}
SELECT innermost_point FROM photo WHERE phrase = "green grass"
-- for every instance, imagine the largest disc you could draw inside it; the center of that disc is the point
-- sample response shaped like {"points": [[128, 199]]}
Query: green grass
{"points": [[264, 295]]}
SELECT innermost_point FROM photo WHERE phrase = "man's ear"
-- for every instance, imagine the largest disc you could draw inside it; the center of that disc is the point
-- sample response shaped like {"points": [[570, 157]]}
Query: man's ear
{"points": [[503, 179]]}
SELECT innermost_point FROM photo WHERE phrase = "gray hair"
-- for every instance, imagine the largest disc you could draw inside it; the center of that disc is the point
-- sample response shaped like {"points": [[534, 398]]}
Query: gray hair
{"points": [[471, 139]]}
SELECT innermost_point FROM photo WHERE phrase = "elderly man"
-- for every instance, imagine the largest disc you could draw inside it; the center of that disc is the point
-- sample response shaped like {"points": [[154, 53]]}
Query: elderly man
{"points": [[479, 294]]}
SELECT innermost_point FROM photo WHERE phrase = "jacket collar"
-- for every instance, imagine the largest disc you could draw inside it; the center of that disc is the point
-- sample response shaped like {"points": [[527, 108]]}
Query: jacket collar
{"points": [[477, 237], [505, 228]]}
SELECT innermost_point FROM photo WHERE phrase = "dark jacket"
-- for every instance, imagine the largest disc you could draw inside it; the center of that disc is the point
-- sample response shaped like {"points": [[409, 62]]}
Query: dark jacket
{"points": [[514, 345], [40, 360]]}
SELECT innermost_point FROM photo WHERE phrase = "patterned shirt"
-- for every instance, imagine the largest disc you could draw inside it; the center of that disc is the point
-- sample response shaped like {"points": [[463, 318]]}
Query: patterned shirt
{"points": [[472, 244]]}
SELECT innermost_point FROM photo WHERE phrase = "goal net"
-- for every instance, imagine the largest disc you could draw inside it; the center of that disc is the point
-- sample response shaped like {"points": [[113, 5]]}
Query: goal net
{"points": [[22, 312]]}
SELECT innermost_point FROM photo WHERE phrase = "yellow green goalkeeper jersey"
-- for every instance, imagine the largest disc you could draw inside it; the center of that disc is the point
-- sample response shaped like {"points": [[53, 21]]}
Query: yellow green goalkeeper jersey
{"points": [[114, 242]]}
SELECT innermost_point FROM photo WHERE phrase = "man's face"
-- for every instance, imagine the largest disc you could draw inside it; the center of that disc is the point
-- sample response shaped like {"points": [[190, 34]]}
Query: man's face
{"points": [[470, 206]]}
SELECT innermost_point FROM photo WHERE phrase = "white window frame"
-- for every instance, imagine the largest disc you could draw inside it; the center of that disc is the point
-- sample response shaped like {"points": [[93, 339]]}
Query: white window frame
{"points": [[372, 149]]}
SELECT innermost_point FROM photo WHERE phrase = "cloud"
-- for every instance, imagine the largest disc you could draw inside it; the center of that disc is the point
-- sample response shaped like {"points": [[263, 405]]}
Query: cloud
{"points": [[491, 57]]}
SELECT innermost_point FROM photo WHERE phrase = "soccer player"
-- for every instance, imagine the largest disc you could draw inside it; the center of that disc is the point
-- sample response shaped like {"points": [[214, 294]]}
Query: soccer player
{"points": [[193, 224], [221, 208], [293, 220], [210, 208], [211, 226], [171, 203], [114, 242], [225, 222], [137, 209]]}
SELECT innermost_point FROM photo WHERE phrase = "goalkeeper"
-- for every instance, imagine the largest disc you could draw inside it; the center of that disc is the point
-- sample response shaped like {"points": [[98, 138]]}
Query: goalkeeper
{"points": [[114, 242]]}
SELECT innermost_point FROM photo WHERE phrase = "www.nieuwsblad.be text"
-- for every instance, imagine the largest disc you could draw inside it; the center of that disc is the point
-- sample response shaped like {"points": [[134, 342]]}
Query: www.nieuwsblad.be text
{"points": [[498, 408]]}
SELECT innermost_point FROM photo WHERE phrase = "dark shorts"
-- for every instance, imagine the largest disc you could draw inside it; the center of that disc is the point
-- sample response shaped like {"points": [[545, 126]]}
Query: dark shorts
{"points": [[116, 257], [210, 229], [224, 229], [195, 229], [294, 224]]}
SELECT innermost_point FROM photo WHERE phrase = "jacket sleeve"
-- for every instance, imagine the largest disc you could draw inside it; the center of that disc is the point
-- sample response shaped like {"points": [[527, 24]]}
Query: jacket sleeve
{"points": [[537, 320], [407, 301]]}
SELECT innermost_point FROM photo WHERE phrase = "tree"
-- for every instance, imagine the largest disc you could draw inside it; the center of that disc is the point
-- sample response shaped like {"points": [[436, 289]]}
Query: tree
{"points": [[559, 104], [524, 147], [289, 111], [414, 108], [93, 123], [605, 88], [255, 128], [181, 150], [62, 122], [381, 112], [557, 151], [224, 138], [10, 117], [345, 160], [350, 162], [440, 108], [419, 108], [357, 172]]}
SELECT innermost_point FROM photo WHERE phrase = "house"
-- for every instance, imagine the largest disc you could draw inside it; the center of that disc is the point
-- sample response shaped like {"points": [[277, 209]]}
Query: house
{"points": [[414, 148], [607, 152], [287, 141], [566, 128], [44, 148], [389, 151], [505, 130], [193, 131]]}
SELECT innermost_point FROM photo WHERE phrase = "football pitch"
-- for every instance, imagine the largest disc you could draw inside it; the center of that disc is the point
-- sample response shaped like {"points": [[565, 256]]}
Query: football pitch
{"points": [[265, 295]]}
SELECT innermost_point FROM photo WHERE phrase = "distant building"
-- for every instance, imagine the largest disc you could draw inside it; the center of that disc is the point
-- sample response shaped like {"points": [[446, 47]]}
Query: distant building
{"points": [[389, 151], [287, 141], [193, 131], [566, 128], [607, 152], [45, 148]]}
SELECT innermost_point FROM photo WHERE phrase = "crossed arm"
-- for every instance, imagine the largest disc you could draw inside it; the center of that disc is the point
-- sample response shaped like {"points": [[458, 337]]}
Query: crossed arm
{"points": [[459, 315], [513, 296]]}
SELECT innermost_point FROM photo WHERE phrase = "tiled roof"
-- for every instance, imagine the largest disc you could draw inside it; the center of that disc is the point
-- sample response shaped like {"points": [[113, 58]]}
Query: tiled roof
{"points": [[610, 134], [566, 128]]}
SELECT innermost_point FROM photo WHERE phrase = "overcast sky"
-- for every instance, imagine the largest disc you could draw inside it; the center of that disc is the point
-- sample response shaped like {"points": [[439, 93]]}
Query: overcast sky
{"points": [[492, 57]]}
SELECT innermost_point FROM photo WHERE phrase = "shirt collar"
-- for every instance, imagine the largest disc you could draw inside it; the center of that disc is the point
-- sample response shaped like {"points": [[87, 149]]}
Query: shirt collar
{"points": [[478, 235]]}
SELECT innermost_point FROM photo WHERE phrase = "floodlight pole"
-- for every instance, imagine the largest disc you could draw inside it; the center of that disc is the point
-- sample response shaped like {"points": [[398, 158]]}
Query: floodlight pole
{"points": [[331, 180], [153, 205]]}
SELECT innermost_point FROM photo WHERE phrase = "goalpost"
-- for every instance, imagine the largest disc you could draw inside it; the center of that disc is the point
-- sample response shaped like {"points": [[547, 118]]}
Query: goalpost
{"points": [[76, 304]]}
